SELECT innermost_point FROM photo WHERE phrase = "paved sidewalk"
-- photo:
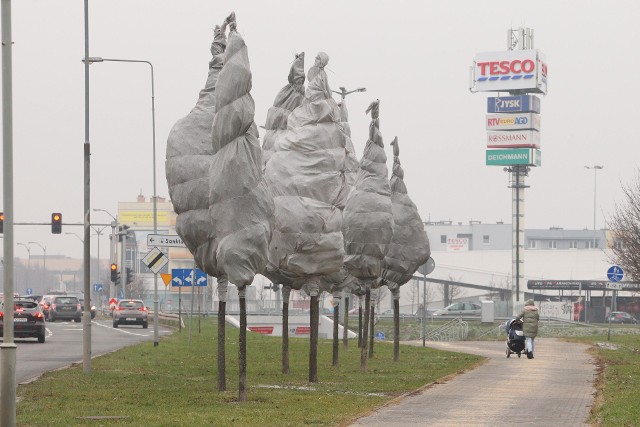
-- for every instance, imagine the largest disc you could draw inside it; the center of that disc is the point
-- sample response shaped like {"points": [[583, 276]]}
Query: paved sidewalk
{"points": [[553, 389]]}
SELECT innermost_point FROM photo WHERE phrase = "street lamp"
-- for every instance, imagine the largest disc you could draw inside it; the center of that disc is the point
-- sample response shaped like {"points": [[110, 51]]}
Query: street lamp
{"points": [[595, 177], [343, 92], [112, 246], [74, 234], [28, 262], [91, 60], [44, 268]]}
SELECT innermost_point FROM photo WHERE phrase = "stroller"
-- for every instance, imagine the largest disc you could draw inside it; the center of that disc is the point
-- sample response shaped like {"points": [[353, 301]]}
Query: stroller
{"points": [[515, 337]]}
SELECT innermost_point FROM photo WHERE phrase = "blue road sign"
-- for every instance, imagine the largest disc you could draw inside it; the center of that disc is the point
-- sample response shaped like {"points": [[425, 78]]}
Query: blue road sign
{"points": [[615, 273], [380, 336], [29, 291], [183, 277], [97, 287]]}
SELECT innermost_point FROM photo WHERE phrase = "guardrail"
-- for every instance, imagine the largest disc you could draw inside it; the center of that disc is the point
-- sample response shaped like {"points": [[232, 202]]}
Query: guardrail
{"points": [[453, 330]]}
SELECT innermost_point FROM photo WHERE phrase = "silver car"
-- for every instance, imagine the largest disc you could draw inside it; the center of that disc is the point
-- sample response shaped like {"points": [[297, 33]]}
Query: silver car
{"points": [[459, 309], [131, 312]]}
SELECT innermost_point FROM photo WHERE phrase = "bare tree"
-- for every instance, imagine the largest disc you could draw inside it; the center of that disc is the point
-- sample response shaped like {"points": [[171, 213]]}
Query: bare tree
{"points": [[451, 292], [625, 226]]}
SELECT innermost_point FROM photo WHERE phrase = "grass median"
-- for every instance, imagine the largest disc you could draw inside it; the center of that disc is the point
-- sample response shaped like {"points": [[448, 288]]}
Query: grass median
{"points": [[175, 384]]}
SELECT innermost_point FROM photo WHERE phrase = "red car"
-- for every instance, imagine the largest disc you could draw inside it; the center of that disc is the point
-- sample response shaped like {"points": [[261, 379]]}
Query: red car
{"points": [[28, 320]]}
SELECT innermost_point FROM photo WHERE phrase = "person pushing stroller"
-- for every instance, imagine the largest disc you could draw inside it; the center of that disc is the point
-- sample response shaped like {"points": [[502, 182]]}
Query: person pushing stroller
{"points": [[530, 318]]}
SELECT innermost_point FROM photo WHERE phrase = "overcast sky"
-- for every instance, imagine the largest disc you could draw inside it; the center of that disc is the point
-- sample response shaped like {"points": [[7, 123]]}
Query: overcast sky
{"points": [[412, 55]]}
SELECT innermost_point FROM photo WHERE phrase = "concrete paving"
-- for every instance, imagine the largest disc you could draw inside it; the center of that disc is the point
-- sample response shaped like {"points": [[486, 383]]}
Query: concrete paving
{"points": [[553, 389]]}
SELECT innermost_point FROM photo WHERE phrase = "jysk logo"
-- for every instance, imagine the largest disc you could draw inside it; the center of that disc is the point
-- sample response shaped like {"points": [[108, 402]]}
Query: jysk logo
{"points": [[513, 104]]}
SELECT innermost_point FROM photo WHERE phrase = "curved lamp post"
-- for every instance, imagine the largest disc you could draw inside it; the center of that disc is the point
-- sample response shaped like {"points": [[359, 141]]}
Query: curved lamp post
{"points": [[91, 60], [44, 268], [28, 262]]}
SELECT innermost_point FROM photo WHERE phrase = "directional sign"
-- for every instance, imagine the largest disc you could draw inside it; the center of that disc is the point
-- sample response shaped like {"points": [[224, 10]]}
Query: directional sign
{"points": [[155, 260], [615, 273], [97, 287], [165, 240], [184, 277], [380, 336]]}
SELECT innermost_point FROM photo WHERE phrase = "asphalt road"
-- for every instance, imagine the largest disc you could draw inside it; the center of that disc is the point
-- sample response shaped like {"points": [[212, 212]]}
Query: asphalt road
{"points": [[553, 389], [63, 345]]}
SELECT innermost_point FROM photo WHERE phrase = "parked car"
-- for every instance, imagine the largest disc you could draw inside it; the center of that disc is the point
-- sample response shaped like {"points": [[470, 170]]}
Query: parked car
{"points": [[65, 307], [130, 312], [28, 320], [458, 309], [622, 317]]}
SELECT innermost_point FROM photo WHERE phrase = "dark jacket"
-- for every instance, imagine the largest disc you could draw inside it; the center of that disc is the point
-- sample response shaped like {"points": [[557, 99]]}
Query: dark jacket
{"points": [[530, 318]]}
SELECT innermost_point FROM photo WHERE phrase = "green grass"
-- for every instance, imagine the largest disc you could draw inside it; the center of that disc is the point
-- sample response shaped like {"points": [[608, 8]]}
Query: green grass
{"points": [[176, 384], [618, 379]]}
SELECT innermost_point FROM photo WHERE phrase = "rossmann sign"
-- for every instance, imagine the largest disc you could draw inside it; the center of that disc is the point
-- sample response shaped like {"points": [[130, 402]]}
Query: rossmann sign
{"points": [[513, 139], [509, 70]]}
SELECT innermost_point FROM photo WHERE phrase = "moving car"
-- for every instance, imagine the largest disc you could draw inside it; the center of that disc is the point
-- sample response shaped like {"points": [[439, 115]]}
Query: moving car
{"points": [[28, 320], [458, 309], [622, 317], [130, 312], [65, 307]]}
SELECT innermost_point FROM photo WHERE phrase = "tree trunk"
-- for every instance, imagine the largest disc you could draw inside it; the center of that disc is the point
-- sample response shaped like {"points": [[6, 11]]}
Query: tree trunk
{"points": [[222, 376], [359, 326], [242, 351], [285, 329], [365, 329], [336, 337], [345, 332], [372, 326], [313, 339], [396, 330]]}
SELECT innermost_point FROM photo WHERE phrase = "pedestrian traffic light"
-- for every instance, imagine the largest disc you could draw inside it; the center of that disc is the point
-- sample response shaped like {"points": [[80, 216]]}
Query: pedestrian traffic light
{"points": [[114, 272], [129, 278], [56, 223], [1, 222]]}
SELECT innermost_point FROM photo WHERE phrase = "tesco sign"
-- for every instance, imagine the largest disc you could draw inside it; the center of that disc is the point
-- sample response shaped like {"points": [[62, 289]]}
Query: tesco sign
{"points": [[509, 70]]}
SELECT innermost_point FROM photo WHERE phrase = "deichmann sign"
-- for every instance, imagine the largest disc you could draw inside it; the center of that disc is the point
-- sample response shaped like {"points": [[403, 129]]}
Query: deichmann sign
{"points": [[510, 70], [514, 139], [514, 156], [575, 285], [518, 121]]}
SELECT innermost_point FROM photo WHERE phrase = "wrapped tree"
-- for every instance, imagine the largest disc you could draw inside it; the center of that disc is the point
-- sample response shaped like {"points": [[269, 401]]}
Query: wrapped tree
{"points": [[240, 205], [288, 99], [306, 175], [368, 218], [188, 160], [409, 247]]}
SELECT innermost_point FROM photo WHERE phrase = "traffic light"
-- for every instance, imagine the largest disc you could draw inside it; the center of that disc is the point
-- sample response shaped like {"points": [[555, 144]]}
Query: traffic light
{"points": [[1, 222], [56, 223], [114, 272], [117, 282], [129, 278]]}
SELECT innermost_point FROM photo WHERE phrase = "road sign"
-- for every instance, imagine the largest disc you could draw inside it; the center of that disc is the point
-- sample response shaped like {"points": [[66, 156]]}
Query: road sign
{"points": [[165, 240], [184, 277], [616, 286], [155, 260], [112, 303], [615, 273], [166, 278], [29, 291], [97, 287], [380, 336]]}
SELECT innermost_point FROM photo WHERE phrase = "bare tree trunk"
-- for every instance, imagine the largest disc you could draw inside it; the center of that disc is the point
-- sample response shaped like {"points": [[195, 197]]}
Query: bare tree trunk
{"points": [[313, 338], [359, 326], [336, 337], [365, 329], [242, 351], [222, 376], [345, 324], [396, 329], [372, 326], [285, 329]]}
